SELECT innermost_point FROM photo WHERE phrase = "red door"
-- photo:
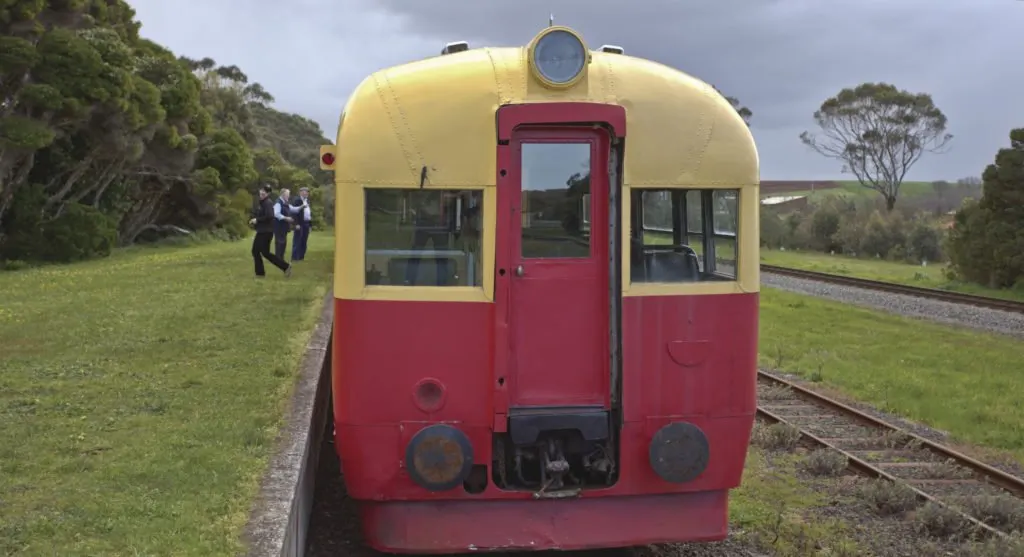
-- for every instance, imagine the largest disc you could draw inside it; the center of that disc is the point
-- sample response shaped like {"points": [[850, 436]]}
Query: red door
{"points": [[554, 244]]}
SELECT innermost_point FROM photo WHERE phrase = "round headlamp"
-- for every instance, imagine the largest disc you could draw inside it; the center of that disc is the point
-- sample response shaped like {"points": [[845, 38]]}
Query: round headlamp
{"points": [[559, 57]]}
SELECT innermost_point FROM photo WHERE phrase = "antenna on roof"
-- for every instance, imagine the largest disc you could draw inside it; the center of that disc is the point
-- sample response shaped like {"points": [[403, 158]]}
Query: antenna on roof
{"points": [[551, 20]]}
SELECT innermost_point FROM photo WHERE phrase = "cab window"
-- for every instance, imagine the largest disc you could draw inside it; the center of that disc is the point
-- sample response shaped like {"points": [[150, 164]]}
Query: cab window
{"points": [[683, 235], [423, 237]]}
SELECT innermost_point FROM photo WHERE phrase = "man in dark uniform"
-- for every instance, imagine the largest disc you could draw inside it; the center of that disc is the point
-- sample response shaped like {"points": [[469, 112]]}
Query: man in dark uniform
{"points": [[282, 222], [303, 224], [263, 220]]}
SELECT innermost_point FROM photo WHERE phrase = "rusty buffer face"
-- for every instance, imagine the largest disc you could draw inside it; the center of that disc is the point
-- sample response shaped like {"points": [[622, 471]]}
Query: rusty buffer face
{"points": [[679, 452], [439, 457]]}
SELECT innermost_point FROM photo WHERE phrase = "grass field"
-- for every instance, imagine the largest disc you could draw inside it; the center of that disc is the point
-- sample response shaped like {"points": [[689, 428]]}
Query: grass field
{"points": [[963, 382], [852, 188], [932, 276], [140, 395]]}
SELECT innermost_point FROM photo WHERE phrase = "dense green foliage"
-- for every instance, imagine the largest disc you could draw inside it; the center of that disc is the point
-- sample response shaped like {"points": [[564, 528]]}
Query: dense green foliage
{"points": [[878, 132], [107, 138], [986, 243], [855, 227], [982, 241]]}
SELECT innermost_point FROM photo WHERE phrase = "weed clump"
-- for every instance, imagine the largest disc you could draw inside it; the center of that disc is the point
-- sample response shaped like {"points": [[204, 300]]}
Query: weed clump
{"points": [[1011, 546], [888, 498], [774, 393], [949, 470], [841, 548], [900, 440], [941, 522], [825, 462], [999, 511], [776, 437]]}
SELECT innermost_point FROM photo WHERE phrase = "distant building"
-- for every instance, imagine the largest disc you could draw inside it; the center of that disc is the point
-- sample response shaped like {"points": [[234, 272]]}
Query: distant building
{"points": [[789, 202]]}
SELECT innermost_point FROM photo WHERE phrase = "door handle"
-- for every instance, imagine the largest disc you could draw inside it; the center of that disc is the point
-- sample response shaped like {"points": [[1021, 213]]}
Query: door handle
{"points": [[519, 271]]}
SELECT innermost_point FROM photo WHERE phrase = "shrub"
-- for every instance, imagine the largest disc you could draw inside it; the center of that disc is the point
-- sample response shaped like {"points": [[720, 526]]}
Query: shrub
{"points": [[861, 228], [233, 216], [774, 231], [824, 226], [924, 242], [79, 232], [825, 462], [776, 437], [941, 522], [888, 498]]}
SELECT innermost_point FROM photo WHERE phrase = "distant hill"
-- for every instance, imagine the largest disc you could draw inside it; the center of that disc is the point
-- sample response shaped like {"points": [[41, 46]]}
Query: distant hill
{"points": [[297, 138]]}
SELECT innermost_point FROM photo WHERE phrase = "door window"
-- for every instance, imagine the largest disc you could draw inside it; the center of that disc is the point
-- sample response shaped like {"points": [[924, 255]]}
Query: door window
{"points": [[556, 200]]}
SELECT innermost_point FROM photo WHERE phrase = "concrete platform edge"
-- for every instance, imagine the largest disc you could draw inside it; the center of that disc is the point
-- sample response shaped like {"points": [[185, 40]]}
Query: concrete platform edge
{"points": [[279, 520]]}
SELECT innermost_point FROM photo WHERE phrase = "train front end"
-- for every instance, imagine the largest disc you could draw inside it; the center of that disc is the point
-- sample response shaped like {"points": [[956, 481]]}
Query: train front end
{"points": [[546, 292]]}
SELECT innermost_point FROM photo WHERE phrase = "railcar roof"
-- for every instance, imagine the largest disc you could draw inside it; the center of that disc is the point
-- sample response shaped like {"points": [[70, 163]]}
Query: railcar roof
{"points": [[439, 113]]}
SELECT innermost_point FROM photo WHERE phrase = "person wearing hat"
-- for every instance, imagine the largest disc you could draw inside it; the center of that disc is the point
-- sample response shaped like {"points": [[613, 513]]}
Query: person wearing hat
{"points": [[263, 221], [303, 224]]}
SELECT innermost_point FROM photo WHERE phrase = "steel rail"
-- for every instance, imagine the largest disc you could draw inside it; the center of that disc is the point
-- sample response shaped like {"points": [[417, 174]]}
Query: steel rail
{"points": [[982, 471], [916, 291]]}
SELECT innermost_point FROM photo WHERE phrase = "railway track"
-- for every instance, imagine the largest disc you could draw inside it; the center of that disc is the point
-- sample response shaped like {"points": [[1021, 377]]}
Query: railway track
{"points": [[878, 449], [930, 293]]}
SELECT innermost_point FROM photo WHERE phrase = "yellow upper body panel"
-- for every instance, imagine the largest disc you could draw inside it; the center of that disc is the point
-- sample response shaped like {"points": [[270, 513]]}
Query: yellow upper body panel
{"points": [[439, 113]]}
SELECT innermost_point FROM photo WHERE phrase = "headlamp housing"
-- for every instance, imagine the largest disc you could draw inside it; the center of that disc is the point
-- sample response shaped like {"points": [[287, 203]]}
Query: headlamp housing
{"points": [[559, 57]]}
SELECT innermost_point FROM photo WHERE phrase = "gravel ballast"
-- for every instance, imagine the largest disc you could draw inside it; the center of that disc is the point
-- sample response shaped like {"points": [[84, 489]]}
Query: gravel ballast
{"points": [[982, 319]]}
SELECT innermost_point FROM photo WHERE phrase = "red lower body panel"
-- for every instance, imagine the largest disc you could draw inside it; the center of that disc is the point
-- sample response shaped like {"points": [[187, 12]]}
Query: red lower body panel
{"points": [[684, 358], [465, 526]]}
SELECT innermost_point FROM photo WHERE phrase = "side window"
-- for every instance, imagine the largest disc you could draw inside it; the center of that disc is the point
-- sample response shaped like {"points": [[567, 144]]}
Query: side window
{"points": [[683, 235], [423, 237], [694, 209], [726, 225]]}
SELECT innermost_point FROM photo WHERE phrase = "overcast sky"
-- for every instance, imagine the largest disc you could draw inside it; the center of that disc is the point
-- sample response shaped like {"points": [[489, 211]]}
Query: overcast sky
{"points": [[781, 58]]}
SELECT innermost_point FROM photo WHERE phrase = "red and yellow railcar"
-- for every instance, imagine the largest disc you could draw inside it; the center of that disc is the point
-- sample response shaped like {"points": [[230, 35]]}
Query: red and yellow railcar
{"points": [[546, 291]]}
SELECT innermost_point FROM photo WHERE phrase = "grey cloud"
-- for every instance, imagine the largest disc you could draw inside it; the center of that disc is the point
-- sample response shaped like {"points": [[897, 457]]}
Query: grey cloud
{"points": [[782, 58]]}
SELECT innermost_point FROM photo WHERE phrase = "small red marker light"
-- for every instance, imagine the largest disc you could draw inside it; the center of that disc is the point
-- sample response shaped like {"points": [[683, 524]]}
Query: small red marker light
{"points": [[328, 159]]}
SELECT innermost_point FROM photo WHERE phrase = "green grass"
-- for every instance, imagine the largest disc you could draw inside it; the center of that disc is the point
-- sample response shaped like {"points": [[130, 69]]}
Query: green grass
{"points": [[725, 248], [853, 189], [140, 396], [960, 381], [932, 276], [775, 509]]}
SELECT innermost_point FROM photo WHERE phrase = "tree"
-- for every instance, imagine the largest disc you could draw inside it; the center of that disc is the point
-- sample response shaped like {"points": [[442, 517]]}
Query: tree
{"points": [[743, 111], [970, 182], [941, 188], [878, 132], [986, 244], [107, 138]]}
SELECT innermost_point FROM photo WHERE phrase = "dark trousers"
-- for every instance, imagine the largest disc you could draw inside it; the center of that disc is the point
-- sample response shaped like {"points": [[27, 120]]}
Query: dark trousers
{"points": [[261, 250], [280, 241], [439, 240], [299, 241]]}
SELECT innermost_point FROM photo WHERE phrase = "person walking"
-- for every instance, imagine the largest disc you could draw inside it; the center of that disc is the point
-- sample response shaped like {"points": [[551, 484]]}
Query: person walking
{"points": [[282, 222], [264, 221], [303, 226]]}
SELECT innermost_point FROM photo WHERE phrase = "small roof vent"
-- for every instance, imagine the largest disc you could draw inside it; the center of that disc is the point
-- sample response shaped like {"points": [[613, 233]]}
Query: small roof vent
{"points": [[452, 48], [612, 49]]}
